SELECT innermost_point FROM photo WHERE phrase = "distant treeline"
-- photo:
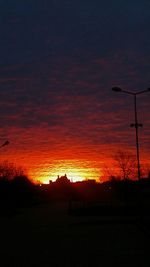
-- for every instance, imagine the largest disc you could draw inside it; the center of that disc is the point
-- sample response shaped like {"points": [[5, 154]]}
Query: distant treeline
{"points": [[18, 192]]}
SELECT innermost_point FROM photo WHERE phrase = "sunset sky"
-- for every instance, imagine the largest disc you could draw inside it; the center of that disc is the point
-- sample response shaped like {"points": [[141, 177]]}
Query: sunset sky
{"points": [[59, 60]]}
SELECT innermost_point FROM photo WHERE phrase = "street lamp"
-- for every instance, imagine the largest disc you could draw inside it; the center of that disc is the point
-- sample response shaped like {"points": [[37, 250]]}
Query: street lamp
{"points": [[135, 124], [5, 143]]}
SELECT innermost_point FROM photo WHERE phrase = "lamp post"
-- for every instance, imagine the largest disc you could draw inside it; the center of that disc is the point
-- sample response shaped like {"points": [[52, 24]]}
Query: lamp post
{"points": [[135, 124]]}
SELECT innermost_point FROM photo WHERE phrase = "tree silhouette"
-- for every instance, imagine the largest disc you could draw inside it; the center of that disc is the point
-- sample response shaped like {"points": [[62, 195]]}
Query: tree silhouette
{"points": [[9, 170], [126, 163]]}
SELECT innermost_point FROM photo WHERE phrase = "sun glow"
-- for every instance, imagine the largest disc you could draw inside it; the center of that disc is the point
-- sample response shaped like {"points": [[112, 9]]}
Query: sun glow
{"points": [[74, 169]]}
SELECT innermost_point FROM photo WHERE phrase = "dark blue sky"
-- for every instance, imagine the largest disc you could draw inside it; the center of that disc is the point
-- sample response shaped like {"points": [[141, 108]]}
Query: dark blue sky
{"points": [[58, 62], [33, 30]]}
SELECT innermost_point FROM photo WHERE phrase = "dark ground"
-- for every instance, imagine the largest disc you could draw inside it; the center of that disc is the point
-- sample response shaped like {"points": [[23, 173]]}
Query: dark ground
{"points": [[46, 235]]}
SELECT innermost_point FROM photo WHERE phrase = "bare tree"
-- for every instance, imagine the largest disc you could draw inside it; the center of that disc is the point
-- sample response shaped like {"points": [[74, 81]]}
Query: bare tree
{"points": [[8, 170], [108, 173], [126, 163]]}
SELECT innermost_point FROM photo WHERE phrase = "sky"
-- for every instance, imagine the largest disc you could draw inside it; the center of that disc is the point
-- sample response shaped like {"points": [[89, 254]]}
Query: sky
{"points": [[59, 60]]}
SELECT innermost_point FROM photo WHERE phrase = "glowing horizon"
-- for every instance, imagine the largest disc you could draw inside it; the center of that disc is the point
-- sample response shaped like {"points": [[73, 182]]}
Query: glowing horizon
{"points": [[74, 169], [43, 166]]}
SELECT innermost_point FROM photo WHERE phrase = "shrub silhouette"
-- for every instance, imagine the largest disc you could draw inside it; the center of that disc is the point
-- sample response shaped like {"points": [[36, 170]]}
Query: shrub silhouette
{"points": [[16, 189]]}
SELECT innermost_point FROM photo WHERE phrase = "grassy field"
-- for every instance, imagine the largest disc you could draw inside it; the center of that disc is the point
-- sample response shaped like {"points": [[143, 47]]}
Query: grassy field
{"points": [[46, 235]]}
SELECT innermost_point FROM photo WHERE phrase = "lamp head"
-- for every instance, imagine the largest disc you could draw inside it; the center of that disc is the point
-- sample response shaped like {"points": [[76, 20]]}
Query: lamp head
{"points": [[116, 89], [5, 143]]}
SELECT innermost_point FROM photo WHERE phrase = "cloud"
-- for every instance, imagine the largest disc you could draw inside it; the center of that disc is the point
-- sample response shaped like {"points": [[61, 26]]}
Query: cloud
{"points": [[59, 61]]}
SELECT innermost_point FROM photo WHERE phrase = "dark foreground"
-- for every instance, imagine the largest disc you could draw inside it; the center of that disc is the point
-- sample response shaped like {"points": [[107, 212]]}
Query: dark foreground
{"points": [[46, 235]]}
